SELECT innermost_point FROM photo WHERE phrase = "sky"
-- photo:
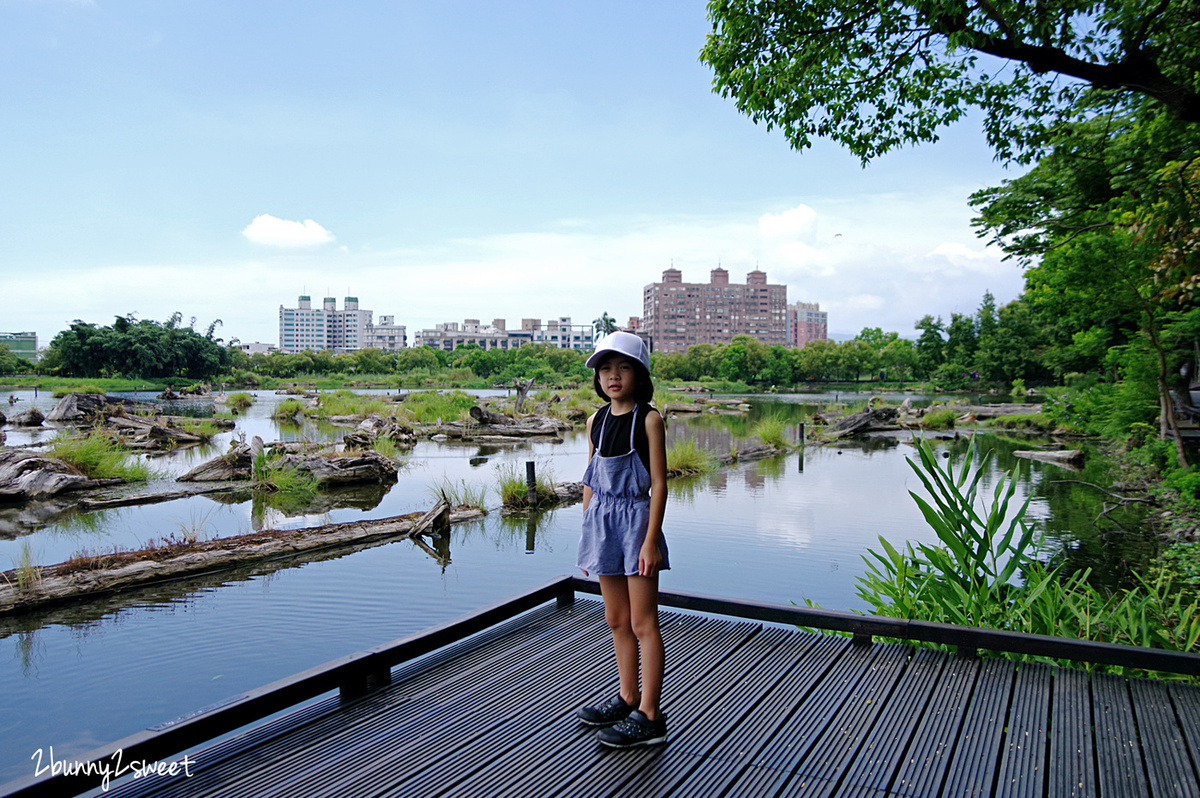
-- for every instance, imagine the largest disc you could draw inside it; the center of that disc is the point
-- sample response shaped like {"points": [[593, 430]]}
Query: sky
{"points": [[439, 161]]}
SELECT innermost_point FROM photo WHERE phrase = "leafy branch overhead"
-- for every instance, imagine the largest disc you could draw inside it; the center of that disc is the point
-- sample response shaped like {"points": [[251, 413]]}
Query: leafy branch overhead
{"points": [[876, 76]]}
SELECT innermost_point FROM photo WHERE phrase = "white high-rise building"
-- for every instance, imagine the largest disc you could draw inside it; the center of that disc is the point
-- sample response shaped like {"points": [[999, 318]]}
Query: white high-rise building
{"points": [[346, 330]]}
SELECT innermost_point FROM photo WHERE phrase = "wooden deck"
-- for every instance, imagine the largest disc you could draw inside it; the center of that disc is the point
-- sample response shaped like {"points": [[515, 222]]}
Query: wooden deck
{"points": [[754, 709]]}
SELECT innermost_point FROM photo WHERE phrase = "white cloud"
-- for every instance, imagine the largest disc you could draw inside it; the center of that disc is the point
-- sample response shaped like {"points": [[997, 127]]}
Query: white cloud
{"points": [[271, 231], [798, 222], [954, 250]]}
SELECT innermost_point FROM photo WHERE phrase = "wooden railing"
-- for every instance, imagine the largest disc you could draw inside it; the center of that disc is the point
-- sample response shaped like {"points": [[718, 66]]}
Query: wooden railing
{"points": [[359, 673]]}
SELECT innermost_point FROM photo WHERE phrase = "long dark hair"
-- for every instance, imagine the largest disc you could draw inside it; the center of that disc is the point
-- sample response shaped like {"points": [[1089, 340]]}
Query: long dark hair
{"points": [[642, 394]]}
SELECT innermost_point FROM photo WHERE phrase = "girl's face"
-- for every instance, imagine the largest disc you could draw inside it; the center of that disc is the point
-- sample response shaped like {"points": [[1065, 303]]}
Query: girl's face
{"points": [[618, 377]]}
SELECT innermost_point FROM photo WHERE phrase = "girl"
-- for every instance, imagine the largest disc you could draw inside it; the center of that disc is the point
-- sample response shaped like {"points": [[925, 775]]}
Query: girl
{"points": [[624, 498]]}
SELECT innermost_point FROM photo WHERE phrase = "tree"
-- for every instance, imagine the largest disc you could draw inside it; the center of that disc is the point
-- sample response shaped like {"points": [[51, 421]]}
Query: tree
{"points": [[604, 325], [930, 347], [877, 76]]}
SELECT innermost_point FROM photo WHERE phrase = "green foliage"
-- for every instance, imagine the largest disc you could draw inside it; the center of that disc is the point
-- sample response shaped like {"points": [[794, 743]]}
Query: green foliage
{"points": [[461, 493], [942, 418], [684, 456], [137, 349], [348, 403], [426, 407], [514, 492], [772, 430], [878, 77], [288, 409], [240, 401], [98, 456], [971, 577]]}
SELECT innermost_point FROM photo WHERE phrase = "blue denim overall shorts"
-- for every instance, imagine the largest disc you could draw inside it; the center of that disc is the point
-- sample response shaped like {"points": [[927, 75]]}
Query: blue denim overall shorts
{"points": [[615, 523]]}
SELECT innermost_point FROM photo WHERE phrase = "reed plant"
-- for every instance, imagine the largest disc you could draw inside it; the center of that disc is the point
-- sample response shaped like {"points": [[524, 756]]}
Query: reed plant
{"points": [[460, 493], [942, 418], [684, 457], [287, 410], [514, 491], [348, 403], [98, 456], [427, 407], [200, 428], [240, 401], [984, 573], [772, 430]]}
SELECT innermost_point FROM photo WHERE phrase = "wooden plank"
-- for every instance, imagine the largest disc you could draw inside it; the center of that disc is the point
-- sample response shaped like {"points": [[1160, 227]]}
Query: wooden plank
{"points": [[882, 752], [1072, 769], [976, 756], [924, 767], [1168, 766], [1186, 700], [567, 748], [820, 773], [1121, 773], [1023, 763]]}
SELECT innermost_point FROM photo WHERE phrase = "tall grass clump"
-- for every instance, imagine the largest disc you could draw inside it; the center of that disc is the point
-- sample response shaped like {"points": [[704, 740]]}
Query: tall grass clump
{"points": [[685, 457], [98, 456], [772, 430], [514, 493], [287, 410], [427, 407], [240, 401], [984, 573], [942, 418], [461, 493], [348, 403], [62, 391]]}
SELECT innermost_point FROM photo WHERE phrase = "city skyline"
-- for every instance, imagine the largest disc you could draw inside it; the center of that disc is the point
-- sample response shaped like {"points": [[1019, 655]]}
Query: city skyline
{"points": [[216, 159]]}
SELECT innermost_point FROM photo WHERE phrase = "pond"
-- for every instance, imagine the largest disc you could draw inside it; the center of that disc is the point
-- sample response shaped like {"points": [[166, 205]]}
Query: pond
{"points": [[787, 529]]}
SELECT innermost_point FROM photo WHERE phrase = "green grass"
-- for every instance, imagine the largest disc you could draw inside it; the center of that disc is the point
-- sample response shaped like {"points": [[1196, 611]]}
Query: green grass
{"points": [[426, 407], [98, 456], [199, 427], [514, 493], [772, 430], [288, 409], [348, 403], [388, 448], [939, 419], [240, 401], [461, 493], [64, 390], [685, 457]]}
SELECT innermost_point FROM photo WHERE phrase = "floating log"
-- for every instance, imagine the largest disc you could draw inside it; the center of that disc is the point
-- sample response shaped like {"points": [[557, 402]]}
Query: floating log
{"points": [[106, 502], [234, 464], [133, 569], [869, 420], [1073, 457], [343, 468]]}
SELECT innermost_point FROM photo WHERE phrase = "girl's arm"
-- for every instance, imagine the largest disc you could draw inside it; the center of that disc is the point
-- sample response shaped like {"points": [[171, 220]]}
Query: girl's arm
{"points": [[650, 557], [587, 492]]}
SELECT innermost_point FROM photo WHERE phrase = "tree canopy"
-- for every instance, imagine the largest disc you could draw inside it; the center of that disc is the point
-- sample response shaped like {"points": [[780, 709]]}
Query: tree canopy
{"points": [[876, 76]]}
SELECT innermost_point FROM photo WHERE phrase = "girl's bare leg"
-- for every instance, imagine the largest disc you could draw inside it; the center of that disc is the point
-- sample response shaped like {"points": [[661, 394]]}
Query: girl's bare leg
{"points": [[615, 592], [642, 604]]}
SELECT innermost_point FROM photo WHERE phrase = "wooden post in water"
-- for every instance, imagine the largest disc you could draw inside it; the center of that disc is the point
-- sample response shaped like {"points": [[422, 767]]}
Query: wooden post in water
{"points": [[530, 484]]}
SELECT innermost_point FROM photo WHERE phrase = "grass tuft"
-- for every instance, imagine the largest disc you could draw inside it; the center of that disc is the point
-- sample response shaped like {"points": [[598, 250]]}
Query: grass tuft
{"points": [[98, 456], [685, 457]]}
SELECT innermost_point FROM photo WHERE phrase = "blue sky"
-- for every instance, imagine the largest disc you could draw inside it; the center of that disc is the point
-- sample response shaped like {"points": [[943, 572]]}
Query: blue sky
{"points": [[439, 161]]}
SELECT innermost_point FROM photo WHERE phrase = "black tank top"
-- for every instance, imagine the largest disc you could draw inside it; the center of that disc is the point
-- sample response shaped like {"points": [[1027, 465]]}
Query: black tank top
{"points": [[616, 433]]}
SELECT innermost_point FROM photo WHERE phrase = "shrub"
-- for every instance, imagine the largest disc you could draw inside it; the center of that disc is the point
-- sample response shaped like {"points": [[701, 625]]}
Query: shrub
{"points": [[240, 401], [943, 418], [288, 409], [685, 457], [98, 456], [514, 493]]}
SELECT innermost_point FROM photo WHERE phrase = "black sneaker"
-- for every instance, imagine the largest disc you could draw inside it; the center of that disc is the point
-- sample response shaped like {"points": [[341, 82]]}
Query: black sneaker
{"points": [[614, 710], [637, 729]]}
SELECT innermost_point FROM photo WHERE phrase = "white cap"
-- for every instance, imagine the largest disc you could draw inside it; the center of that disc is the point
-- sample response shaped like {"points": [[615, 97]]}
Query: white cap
{"points": [[624, 343]]}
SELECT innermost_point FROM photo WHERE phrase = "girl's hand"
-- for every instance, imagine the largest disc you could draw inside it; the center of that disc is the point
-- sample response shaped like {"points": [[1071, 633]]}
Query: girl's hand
{"points": [[649, 558]]}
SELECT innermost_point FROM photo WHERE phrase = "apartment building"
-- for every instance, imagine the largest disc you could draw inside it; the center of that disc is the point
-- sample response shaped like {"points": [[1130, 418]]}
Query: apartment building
{"points": [[347, 330], [21, 344], [559, 332], [806, 322], [677, 315]]}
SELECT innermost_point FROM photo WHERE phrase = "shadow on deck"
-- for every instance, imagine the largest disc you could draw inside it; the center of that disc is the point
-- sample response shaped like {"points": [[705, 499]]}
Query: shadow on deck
{"points": [[483, 706]]}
